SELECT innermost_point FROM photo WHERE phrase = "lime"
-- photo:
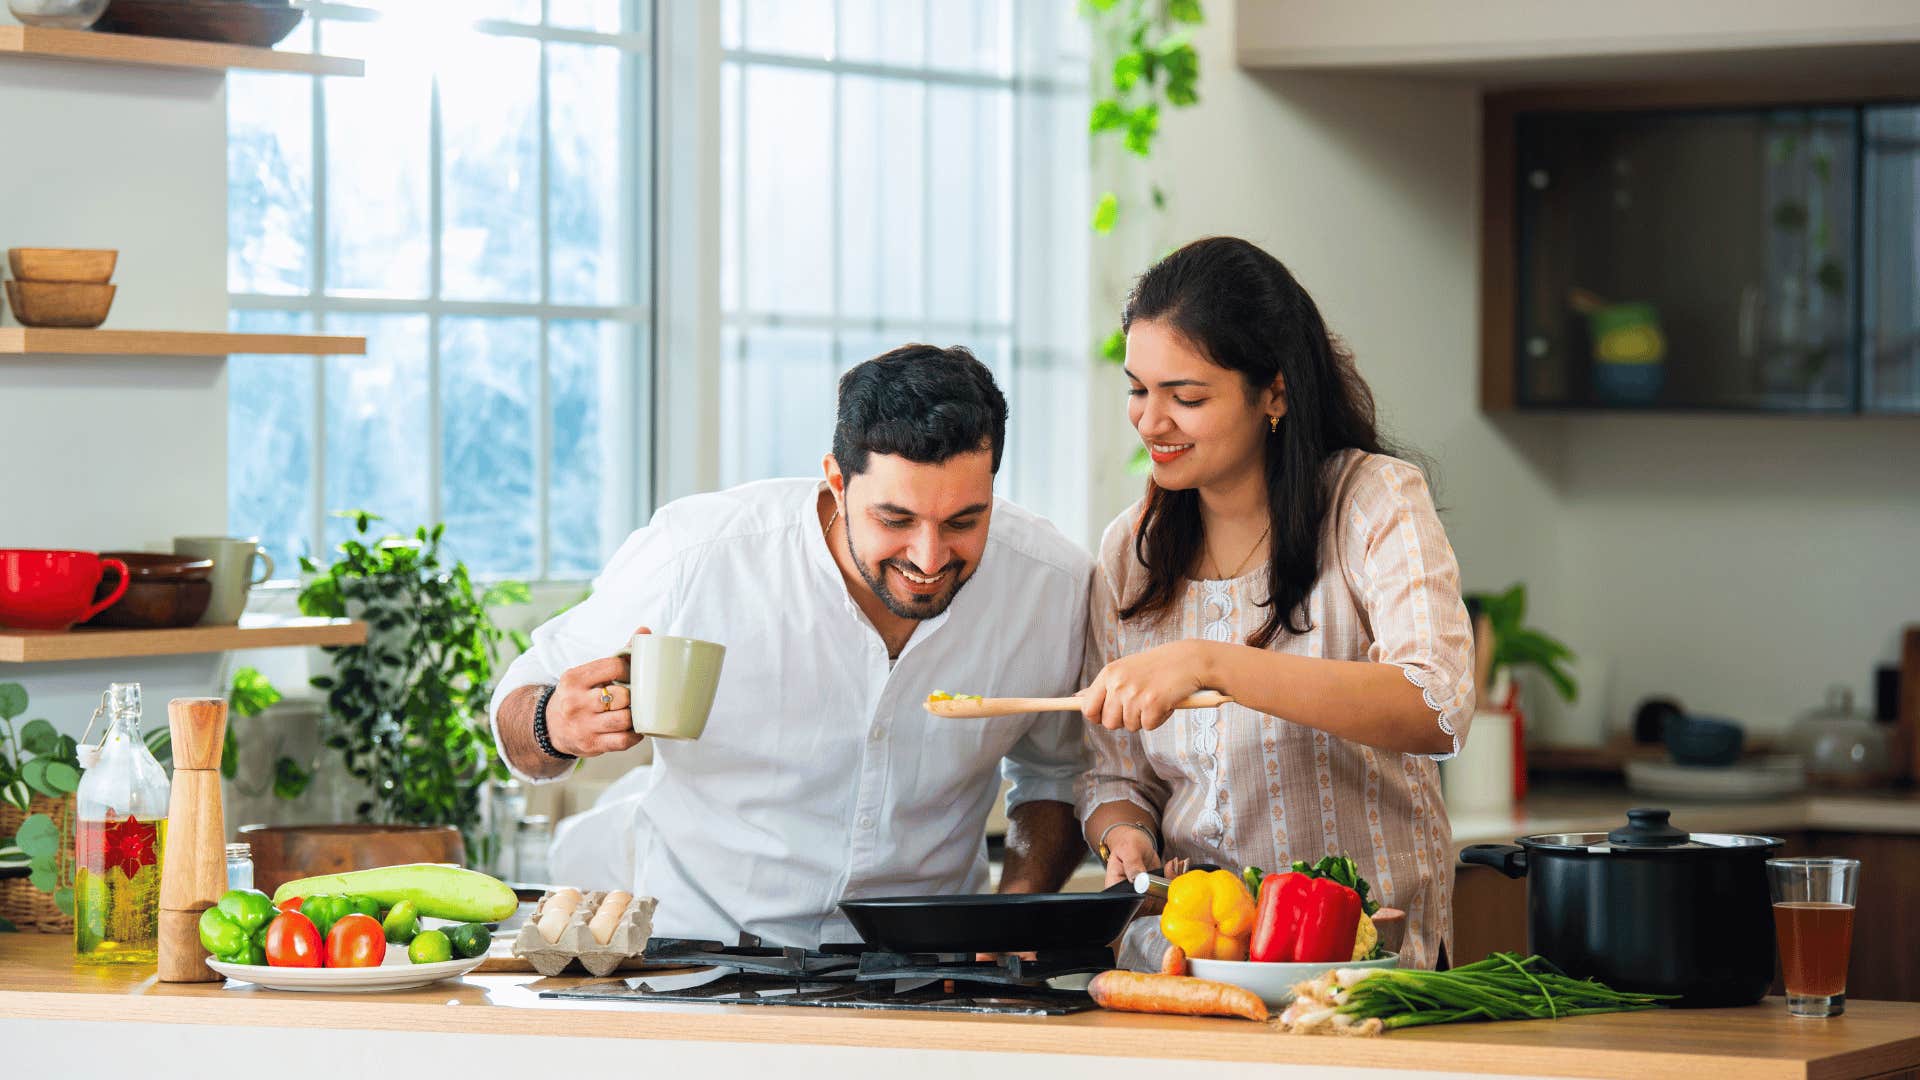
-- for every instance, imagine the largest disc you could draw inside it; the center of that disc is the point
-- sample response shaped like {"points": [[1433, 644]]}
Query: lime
{"points": [[429, 947]]}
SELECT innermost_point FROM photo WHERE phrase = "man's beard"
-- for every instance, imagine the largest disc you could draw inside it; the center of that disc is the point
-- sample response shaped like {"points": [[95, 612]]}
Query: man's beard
{"points": [[906, 607]]}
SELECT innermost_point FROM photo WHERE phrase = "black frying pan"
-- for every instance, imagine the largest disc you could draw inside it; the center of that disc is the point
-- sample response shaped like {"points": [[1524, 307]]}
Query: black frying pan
{"points": [[993, 922]]}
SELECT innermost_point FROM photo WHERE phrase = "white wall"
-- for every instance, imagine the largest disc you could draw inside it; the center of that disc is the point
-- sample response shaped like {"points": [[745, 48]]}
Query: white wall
{"points": [[1738, 563], [116, 453]]}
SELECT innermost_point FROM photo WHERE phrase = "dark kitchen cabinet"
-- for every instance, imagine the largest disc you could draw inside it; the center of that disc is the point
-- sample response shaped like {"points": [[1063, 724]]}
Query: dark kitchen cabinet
{"points": [[1692, 252]]}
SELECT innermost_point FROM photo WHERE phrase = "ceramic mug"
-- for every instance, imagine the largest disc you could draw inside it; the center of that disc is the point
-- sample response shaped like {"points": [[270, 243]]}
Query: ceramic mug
{"points": [[672, 681], [51, 590], [233, 561]]}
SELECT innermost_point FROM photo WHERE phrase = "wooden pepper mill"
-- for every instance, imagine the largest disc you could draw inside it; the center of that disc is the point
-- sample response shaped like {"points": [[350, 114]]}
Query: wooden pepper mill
{"points": [[194, 874]]}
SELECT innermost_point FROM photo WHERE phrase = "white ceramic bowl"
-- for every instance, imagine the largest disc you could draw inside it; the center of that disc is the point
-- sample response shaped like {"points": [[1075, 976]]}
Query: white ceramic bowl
{"points": [[1274, 982]]}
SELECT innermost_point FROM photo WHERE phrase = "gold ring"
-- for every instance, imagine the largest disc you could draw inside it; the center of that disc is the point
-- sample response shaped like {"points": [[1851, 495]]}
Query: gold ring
{"points": [[606, 698]]}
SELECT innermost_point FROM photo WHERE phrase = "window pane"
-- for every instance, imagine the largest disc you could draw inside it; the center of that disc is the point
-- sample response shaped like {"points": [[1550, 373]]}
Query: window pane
{"points": [[779, 398], [601, 15], [586, 361], [419, 17], [883, 191], [377, 178], [1891, 227], [971, 35], [488, 389], [969, 210], [884, 31], [788, 163], [490, 137], [793, 27], [269, 183], [732, 181], [583, 86], [270, 422], [376, 441]]}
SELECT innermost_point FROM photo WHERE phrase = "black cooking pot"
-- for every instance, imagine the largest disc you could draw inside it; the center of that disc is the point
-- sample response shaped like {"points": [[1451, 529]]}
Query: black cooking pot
{"points": [[1649, 908]]}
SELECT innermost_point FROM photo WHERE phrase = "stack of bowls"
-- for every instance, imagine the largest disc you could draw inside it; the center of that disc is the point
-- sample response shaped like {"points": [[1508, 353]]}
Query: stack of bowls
{"points": [[64, 287]]}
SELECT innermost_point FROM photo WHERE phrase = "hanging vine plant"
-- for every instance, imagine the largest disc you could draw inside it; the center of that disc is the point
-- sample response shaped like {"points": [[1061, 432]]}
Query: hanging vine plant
{"points": [[1155, 68]]}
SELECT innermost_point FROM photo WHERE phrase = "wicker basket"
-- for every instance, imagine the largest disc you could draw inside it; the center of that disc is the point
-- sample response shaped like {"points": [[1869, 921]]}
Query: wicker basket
{"points": [[20, 903]]}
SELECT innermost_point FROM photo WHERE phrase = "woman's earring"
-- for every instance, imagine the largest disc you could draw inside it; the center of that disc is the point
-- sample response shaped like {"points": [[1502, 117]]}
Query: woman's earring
{"points": [[1273, 425]]}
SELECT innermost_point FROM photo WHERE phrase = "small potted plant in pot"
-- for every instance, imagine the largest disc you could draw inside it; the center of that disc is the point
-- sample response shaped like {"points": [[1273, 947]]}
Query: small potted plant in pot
{"points": [[407, 710], [39, 771]]}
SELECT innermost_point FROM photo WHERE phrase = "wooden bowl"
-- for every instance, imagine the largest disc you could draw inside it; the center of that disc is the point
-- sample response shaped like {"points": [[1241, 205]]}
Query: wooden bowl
{"points": [[282, 853], [232, 21], [59, 303], [163, 591], [90, 265]]}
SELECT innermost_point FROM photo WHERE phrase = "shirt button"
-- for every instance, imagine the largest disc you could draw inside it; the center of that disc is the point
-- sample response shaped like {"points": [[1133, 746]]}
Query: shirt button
{"points": [[866, 821], [876, 734]]}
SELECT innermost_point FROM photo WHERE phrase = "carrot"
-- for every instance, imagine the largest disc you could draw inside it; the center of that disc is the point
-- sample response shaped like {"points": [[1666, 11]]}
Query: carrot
{"points": [[1174, 962], [1182, 995]]}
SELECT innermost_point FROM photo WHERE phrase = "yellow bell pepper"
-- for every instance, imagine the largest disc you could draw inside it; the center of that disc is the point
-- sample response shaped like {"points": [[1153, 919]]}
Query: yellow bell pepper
{"points": [[1209, 914]]}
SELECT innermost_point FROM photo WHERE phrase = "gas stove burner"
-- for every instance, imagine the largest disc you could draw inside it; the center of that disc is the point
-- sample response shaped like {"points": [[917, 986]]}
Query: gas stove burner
{"points": [[723, 987], [751, 956], [1007, 970]]}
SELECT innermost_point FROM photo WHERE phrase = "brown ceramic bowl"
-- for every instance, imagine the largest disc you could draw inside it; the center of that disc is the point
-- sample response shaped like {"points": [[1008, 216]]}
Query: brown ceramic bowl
{"points": [[282, 853], [59, 303], [163, 592], [231, 21], [90, 266]]}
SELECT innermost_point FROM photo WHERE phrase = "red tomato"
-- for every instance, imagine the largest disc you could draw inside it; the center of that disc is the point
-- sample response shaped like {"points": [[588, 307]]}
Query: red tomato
{"points": [[292, 941], [292, 905], [356, 941]]}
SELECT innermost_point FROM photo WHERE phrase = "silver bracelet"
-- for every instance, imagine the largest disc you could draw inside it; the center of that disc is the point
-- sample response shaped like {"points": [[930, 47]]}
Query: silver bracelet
{"points": [[1100, 845]]}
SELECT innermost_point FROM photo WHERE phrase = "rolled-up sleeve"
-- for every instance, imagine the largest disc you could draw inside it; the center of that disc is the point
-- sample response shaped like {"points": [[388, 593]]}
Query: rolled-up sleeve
{"points": [[1120, 771], [636, 589], [1410, 585]]}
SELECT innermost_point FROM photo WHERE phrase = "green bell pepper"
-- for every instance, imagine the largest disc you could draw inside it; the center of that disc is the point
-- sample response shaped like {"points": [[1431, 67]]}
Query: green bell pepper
{"points": [[248, 907], [223, 937], [325, 911], [364, 905], [401, 923]]}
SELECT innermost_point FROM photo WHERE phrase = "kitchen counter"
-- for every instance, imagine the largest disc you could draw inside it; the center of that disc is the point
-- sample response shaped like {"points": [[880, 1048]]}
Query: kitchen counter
{"points": [[55, 1015], [1557, 808]]}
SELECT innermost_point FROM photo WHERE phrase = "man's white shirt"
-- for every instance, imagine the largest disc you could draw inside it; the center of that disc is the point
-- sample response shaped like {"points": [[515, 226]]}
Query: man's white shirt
{"points": [[820, 777]]}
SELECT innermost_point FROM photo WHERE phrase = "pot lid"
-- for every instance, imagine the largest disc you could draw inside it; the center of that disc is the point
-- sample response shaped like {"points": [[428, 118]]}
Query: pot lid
{"points": [[1647, 830]]}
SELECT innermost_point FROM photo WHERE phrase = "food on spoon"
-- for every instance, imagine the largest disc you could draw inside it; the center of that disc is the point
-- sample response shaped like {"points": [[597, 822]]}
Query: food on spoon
{"points": [[557, 912], [607, 915], [942, 695], [1180, 995], [437, 891]]}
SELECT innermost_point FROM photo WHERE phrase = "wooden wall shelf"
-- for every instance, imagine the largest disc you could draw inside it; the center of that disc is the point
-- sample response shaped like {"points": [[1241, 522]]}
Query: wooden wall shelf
{"points": [[257, 632], [86, 45], [26, 340]]}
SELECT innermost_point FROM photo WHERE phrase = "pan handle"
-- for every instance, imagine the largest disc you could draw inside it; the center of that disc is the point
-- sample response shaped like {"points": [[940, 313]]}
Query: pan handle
{"points": [[1509, 859]]}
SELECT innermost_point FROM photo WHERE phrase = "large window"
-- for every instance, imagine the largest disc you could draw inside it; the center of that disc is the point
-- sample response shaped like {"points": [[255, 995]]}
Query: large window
{"points": [[479, 207], [475, 207], [894, 171]]}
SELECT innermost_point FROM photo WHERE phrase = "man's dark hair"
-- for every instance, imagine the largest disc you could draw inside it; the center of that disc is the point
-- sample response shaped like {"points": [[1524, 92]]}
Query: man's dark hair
{"points": [[922, 402]]}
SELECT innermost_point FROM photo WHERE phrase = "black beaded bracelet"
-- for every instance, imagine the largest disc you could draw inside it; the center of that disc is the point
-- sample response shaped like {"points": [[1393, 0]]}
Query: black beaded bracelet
{"points": [[540, 738]]}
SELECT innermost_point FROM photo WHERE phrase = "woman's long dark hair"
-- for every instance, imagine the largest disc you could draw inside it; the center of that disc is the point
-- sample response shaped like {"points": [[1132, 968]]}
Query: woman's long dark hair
{"points": [[1243, 311]]}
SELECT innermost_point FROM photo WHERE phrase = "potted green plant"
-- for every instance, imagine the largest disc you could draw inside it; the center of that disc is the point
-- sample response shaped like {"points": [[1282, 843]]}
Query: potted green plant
{"points": [[1516, 646], [407, 710], [39, 771]]}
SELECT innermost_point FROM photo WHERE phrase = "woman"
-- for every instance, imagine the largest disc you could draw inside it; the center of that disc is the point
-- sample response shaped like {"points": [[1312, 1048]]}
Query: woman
{"points": [[1282, 557]]}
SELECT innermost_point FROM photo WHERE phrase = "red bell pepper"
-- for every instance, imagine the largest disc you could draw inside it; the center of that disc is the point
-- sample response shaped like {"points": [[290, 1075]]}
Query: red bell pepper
{"points": [[1277, 922], [1330, 919]]}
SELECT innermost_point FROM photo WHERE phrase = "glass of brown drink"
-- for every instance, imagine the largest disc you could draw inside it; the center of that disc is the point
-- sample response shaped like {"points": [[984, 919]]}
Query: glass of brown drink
{"points": [[1813, 919]]}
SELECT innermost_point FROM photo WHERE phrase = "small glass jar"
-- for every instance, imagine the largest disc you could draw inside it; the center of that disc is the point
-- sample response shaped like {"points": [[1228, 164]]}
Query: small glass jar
{"points": [[530, 849], [239, 866]]}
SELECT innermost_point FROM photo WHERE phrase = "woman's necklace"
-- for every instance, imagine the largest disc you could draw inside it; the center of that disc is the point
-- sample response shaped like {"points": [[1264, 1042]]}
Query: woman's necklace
{"points": [[1268, 531]]}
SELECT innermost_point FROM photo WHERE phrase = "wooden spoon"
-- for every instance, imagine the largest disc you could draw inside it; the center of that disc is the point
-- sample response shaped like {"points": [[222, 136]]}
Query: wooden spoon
{"points": [[983, 708]]}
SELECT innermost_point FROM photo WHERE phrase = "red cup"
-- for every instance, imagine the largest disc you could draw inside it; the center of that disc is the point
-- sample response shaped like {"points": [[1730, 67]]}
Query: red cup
{"points": [[52, 590]]}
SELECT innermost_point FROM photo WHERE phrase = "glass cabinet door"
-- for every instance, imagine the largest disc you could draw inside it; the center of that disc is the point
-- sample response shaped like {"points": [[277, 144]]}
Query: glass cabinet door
{"points": [[1891, 254], [1695, 260]]}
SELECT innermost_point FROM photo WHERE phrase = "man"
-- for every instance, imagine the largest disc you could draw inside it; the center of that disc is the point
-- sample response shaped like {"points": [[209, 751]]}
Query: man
{"points": [[842, 605]]}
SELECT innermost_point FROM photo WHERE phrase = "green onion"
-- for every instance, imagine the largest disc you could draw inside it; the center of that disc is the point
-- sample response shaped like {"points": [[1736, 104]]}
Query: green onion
{"points": [[1504, 986]]}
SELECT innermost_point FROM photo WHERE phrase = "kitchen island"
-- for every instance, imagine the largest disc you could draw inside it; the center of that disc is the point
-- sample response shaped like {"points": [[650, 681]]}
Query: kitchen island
{"points": [[55, 1015]]}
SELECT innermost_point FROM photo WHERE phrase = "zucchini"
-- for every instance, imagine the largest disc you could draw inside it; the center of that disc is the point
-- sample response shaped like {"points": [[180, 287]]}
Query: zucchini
{"points": [[436, 890]]}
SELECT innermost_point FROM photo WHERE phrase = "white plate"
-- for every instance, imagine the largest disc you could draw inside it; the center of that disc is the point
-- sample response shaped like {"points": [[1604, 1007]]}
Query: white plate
{"points": [[1767, 778], [1274, 982], [392, 974]]}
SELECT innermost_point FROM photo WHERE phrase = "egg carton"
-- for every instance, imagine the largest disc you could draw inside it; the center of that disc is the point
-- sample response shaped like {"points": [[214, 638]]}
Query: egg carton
{"points": [[576, 942]]}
